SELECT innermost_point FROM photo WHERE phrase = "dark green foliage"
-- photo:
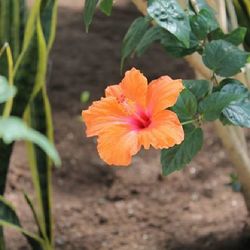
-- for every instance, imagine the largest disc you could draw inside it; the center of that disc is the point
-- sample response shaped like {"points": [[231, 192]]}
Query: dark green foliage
{"points": [[203, 23], [224, 58], [8, 217], [133, 36], [199, 88], [186, 105], [238, 112], [89, 10], [177, 157], [212, 106], [236, 37], [153, 34], [176, 48]]}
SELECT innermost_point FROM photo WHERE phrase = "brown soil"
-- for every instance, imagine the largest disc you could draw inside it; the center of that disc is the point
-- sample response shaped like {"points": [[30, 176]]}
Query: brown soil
{"points": [[101, 208]]}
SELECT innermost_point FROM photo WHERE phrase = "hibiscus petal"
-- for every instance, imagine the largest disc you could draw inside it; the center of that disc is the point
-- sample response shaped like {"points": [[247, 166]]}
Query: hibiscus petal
{"points": [[114, 90], [102, 114], [134, 86], [165, 131], [117, 145], [163, 93]]}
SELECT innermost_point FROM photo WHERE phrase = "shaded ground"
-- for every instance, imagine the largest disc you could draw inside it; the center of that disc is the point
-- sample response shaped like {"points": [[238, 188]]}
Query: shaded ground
{"points": [[102, 208]]}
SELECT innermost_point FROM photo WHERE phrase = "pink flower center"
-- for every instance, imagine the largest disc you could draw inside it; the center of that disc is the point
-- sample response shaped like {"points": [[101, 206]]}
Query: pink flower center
{"points": [[140, 120]]}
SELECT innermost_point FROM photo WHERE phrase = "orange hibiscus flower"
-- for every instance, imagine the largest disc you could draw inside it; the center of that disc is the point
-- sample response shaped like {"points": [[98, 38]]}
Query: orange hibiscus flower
{"points": [[133, 114]]}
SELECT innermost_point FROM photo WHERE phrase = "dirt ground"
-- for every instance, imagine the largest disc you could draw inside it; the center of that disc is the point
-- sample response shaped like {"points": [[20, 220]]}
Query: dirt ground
{"points": [[101, 208]]}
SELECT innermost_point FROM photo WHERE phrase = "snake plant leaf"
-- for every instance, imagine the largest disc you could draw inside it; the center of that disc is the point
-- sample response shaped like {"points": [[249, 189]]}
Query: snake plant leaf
{"points": [[34, 212], [9, 218], [40, 117]]}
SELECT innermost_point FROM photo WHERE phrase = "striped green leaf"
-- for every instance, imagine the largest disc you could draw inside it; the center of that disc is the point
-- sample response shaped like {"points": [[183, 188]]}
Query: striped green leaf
{"points": [[40, 117], [8, 218]]}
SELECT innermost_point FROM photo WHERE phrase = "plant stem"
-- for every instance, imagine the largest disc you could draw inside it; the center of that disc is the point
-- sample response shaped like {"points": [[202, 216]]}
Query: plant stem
{"points": [[195, 6], [188, 122], [9, 103]]}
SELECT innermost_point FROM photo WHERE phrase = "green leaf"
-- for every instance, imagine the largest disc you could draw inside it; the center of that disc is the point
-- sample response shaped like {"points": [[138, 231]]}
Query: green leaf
{"points": [[106, 6], [34, 213], [177, 157], [170, 16], [49, 21], [40, 119], [224, 58], [212, 106], [203, 23], [199, 88], [186, 105], [242, 9], [8, 218], [6, 91], [235, 37], [89, 10], [231, 85], [153, 34], [133, 36], [238, 112], [14, 129], [174, 47], [224, 120]]}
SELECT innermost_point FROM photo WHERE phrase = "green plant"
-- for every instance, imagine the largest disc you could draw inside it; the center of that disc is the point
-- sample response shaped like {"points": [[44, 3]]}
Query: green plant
{"points": [[190, 29], [26, 41]]}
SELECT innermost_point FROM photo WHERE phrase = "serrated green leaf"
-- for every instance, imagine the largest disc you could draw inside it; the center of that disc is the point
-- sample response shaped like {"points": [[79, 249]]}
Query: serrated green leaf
{"points": [[199, 88], [235, 37], [106, 6], [233, 86], [224, 58], [226, 81], [238, 112], [175, 48], [14, 129], [203, 23], [88, 13], [6, 91], [186, 105], [211, 107], [170, 16], [40, 119], [177, 157], [133, 36]]}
